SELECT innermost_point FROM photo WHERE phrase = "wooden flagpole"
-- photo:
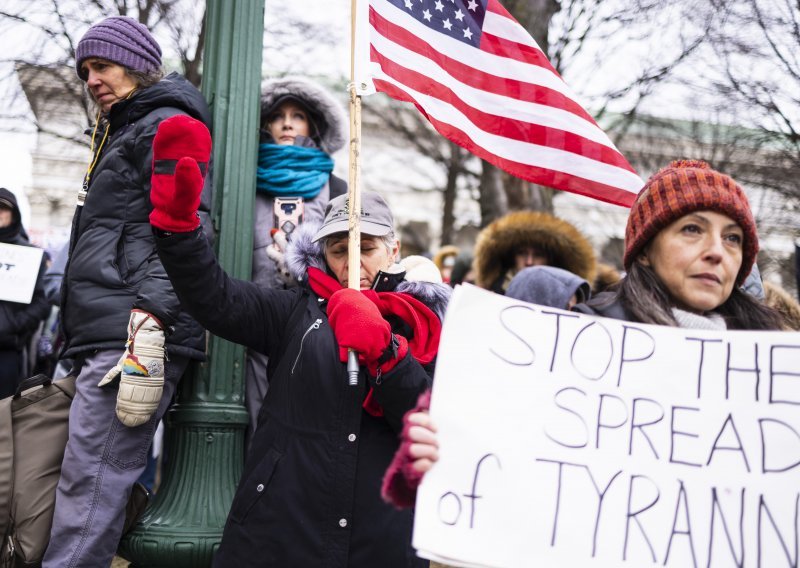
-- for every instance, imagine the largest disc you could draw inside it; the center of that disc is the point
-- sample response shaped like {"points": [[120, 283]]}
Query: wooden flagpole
{"points": [[353, 189]]}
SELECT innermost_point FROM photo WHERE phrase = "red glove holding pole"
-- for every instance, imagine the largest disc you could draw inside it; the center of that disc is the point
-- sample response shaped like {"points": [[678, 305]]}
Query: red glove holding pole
{"points": [[358, 324], [181, 150]]}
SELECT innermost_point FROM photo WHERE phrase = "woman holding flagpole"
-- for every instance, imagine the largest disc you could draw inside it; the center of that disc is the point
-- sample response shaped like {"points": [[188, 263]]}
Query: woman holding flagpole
{"points": [[310, 491]]}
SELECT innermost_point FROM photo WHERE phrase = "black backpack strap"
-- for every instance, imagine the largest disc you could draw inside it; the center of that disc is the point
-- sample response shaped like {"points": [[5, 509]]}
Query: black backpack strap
{"points": [[30, 382]]}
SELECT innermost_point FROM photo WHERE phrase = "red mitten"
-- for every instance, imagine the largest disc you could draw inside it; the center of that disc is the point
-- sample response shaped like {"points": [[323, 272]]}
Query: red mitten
{"points": [[358, 324], [181, 150]]}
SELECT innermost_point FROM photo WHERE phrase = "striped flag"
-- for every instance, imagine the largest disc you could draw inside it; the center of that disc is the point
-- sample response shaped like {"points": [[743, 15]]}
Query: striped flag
{"points": [[483, 83]]}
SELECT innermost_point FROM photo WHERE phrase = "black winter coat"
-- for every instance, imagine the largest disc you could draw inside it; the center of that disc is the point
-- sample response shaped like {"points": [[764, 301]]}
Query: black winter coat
{"points": [[113, 266], [310, 491], [607, 305], [19, 321]]}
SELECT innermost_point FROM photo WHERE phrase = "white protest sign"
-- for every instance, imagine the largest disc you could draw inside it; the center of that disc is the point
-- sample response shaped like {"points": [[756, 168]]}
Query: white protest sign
{"points": [[19, 267], [567, 440]]}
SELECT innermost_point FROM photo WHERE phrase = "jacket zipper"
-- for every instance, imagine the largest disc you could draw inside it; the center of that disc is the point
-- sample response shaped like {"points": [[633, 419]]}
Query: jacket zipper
{"points": [[313, 326]]}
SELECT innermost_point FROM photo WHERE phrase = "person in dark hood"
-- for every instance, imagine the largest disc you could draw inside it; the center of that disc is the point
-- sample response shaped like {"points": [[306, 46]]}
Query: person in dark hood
{"points": [[124, 327], [308, 495], [302, 126], [549, 286], [18, 321], [462, 270]]}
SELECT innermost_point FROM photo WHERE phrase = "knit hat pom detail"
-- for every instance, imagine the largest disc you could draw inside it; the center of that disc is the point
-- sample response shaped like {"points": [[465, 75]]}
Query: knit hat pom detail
{"points": [[689, 164]]}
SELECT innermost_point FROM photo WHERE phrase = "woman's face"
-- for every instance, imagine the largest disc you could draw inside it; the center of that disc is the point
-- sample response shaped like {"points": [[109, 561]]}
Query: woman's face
{"points": [[107, 82], [6, 217], [529, 256], [287, 122], [697, 257], [375, 256]]}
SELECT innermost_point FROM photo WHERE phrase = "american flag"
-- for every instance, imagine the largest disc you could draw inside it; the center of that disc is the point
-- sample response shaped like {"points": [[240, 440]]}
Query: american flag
{"points": [[483, 83]]}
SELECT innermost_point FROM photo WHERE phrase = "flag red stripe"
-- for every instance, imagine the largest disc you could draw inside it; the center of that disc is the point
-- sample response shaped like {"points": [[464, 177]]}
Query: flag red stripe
{"points": [[534, 174], [497, 8], [503, 47], [501, 125], [478, 79]]}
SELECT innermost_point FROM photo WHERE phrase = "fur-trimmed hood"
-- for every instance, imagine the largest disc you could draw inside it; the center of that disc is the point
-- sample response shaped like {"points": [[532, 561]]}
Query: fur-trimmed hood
{"points": [[779, 299], [302, 254], [606, 277], [443, 253], [319, 102], [564, 244]]}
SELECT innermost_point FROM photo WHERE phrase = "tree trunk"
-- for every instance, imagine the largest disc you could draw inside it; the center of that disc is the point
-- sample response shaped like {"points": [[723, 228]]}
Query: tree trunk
{"points": [[534, 16], [192, 65], [540, 198], [453, 171], [493, 200]]}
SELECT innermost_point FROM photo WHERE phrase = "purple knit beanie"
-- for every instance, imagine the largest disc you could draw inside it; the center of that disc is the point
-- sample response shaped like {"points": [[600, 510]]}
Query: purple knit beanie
{"points": [[121, 40]]}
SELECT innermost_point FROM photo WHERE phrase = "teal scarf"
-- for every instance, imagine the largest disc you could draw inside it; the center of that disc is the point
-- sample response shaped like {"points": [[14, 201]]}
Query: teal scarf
{"points": [[292, 171]]}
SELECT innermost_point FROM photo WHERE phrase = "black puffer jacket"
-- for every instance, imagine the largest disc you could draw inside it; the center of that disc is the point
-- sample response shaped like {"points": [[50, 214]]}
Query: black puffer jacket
{"points": [[310, 491], [19, 321], [607, 305], [113, 265]]}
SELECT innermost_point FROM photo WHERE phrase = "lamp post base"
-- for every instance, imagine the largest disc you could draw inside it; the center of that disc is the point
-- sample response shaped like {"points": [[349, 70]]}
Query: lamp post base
{"points": [[182, 528]]}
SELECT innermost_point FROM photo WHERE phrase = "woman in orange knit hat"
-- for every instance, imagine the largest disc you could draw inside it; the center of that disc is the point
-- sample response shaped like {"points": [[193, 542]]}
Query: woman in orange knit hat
{"points": [[690, 242]]}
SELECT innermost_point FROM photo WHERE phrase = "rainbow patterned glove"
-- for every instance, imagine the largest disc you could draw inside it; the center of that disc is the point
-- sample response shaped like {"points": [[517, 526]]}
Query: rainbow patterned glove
{"points": [[141, 370]]}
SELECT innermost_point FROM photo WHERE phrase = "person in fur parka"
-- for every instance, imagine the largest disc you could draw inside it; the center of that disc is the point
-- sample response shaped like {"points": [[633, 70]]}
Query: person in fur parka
{"points": [[302, 125], [530, 238]]}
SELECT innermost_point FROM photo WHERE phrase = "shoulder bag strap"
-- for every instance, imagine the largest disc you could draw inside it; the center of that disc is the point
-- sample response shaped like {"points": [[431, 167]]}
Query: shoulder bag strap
{"points": [[6, 465]]}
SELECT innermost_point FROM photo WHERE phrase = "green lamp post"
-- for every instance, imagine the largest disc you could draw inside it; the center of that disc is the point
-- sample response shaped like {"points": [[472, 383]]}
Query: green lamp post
{"points": [[183, 526]]}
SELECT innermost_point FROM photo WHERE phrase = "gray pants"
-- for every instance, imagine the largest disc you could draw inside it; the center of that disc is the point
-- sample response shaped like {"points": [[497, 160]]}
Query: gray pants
{"points": [[103, 460]]}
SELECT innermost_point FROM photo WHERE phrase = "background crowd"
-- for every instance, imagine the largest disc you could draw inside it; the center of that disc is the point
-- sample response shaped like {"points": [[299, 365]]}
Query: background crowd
{"points": [[126, 308]]}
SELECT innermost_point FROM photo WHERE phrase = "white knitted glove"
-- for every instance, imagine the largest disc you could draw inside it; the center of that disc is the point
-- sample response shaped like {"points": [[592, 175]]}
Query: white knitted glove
{"points": [[276, 252], [142, 370]]}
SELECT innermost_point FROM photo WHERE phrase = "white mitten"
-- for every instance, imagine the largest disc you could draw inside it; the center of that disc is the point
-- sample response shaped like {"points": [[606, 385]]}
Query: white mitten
{"points": [[142, 370], [276, 252]]}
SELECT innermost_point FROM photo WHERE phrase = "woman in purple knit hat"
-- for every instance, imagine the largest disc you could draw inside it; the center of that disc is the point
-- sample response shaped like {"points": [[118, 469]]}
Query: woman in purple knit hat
{"points": [[124, 327]]}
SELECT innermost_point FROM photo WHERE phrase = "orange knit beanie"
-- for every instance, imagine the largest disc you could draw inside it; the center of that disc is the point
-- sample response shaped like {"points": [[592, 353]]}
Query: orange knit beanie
{"points": [[680, 188]]}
